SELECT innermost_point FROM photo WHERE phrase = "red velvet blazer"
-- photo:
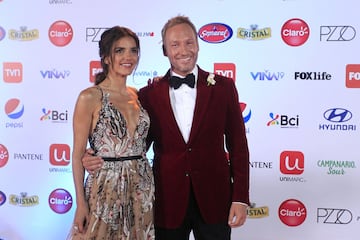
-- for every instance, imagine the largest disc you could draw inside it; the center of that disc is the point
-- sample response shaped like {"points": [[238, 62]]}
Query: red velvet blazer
{"points": [[202, 161]]}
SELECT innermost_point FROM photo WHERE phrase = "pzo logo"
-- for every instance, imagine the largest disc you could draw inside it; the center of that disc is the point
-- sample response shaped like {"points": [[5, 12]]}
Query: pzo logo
{"points": [[337, 115], [334, 216]]}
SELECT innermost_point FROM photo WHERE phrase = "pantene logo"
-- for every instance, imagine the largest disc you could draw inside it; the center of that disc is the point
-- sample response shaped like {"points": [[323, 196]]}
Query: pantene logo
{"points": [[12, 72], [295, 32], [353, 76], [60, 33]]}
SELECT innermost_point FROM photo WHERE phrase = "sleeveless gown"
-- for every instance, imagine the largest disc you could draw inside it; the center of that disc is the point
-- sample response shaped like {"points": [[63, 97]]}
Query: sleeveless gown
{"points": [[121, 195]]}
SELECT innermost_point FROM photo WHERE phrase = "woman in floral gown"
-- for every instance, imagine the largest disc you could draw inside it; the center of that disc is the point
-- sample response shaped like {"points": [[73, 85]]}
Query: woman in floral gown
{"points": [[117, 201]]}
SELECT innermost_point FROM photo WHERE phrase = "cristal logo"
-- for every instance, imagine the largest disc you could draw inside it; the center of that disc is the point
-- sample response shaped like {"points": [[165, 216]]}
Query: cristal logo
{"points": [[14, 109], [215, 33], [295, 32], [2, 33], [4, 155], [60, 200], [226, 70], [59, 154], [246, 111], [353, 76], [292, 162], [95, 67], [292, 212], [60, 33]]}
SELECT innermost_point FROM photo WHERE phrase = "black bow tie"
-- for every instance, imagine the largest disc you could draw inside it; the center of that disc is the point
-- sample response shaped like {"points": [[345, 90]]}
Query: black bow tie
{"points": [[176, 82]]}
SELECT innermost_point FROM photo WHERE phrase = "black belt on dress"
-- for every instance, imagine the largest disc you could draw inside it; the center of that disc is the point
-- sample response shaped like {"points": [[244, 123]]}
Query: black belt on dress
{"points": [[107, 159]]}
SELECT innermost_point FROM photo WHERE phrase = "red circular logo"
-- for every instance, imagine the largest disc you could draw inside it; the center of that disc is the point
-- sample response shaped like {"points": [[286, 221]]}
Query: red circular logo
{"points": [[4, 155], [292, 212], [60, 200], [295, 32], [60, 33]]}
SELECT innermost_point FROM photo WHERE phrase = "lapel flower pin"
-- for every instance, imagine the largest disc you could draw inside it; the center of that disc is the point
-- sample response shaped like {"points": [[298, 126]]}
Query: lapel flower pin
{"points": [[210, 79]]}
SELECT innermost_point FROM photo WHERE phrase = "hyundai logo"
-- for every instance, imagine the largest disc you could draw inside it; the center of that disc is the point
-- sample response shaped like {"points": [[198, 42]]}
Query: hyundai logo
{"points": [[337, 115]]}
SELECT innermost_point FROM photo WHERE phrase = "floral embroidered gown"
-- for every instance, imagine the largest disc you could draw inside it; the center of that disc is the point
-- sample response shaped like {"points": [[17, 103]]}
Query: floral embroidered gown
{"points": [[121, 194]]}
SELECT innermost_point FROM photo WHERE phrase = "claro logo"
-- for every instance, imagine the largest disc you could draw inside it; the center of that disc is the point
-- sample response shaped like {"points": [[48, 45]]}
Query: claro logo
{"points": [[292, 212], [60, 33], [295, 32], [215, 33]]}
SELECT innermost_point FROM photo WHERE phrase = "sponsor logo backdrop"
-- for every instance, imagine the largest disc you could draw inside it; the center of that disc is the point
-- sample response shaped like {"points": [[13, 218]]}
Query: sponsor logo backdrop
{"points": [[295, 64]]}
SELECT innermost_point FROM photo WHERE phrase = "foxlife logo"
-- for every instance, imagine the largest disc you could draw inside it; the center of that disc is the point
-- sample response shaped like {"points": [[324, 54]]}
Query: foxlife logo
{"points": [[312, 76], [94, 68], [337, 120], [352, 76]]}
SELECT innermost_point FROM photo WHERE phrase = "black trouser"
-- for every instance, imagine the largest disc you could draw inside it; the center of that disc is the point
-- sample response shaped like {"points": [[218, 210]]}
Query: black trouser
{"points": [[194, 222]]}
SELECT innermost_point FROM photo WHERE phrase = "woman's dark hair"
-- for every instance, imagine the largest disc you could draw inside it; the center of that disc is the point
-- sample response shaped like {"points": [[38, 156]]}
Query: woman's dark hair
{"points": [[108, 38]]}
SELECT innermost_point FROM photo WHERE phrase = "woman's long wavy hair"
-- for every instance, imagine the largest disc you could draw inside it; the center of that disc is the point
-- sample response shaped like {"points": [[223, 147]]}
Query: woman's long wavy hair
{"points": [[106, 43]]}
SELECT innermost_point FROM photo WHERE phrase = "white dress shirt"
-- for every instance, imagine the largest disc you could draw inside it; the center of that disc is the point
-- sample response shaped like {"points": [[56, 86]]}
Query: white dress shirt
{"points": [[183, 104]]}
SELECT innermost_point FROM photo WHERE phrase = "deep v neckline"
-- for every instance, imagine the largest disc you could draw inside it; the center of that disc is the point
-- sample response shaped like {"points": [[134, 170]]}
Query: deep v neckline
{"points": [[117, 110]]}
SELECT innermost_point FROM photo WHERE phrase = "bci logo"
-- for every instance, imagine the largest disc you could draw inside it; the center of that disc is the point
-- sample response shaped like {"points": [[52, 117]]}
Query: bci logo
{"points": [[284, 121], [54, 115]]}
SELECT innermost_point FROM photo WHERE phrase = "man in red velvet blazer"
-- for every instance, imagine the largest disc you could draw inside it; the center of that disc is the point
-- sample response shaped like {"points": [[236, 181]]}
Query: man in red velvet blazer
{"points": [[196, 187], [199, 187]]}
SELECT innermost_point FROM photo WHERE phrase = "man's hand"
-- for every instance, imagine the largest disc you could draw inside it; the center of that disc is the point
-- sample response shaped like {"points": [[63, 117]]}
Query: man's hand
{"points": [[237, 215], [154, 80], [90, 162]]}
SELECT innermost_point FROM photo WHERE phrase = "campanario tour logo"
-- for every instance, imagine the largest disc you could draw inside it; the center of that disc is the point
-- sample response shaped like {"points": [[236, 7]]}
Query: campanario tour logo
{"points": [[60, 33], [215, 33], [295, 32]]}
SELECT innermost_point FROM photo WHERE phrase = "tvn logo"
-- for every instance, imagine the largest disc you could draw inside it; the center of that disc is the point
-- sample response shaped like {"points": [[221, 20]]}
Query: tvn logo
{"points": [[225, 69], [292, 162], [12, 72], [353, 76]]}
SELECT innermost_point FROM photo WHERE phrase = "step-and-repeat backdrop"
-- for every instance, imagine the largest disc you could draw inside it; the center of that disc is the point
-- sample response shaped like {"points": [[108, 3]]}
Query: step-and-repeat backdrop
{"points": [[296, 65]]}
